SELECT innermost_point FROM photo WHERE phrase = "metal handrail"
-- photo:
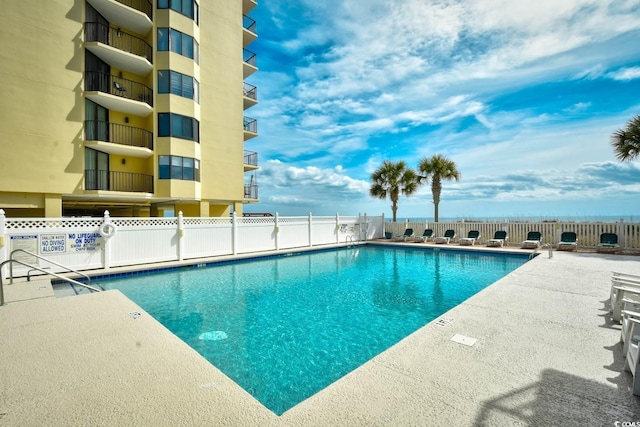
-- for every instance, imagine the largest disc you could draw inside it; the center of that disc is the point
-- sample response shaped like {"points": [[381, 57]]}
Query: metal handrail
{"points": [[70, 270], [59, 276]]}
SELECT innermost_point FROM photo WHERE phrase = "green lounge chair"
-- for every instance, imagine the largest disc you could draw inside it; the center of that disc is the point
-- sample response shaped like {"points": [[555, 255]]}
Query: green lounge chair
{"points": [[534, 240], [608, 242], [471, 238], [426, 235], [446, 238], [408, 233], [568, 241], [500, 237]]}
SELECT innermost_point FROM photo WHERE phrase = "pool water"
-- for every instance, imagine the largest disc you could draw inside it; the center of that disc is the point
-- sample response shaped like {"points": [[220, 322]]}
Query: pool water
{"points": [[286, 327]]}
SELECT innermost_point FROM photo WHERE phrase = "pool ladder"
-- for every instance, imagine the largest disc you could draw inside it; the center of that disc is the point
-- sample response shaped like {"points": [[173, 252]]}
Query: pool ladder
{"points": [[549, 246], [12, 260], [351, 239]]}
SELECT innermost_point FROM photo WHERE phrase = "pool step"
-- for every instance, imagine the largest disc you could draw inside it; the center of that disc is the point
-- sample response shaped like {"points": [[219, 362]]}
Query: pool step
{"points": [[62, 290]]}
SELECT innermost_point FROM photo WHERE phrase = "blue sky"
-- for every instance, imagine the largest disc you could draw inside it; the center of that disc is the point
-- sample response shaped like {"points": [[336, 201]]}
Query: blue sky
{"points": [[523, 97]]}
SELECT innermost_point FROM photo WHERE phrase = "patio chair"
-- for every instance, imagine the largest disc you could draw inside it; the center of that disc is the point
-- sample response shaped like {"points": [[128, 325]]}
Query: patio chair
{"points": [[623, 297], [632, 362], [533, 240], [446, 238], [625, 332], [568, 241], [500, 238], [426, 235], [608, 242], [408, 233], [471, 238]]}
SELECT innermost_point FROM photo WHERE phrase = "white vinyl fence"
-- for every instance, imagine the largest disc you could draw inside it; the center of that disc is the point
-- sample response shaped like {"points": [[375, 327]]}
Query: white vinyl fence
{"points": [[91, 243], [588, 233]]}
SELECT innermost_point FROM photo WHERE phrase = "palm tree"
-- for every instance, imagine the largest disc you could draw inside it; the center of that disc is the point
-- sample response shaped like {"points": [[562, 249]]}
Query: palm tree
{"points": [[626, 142], [437, 168], [392, 179]]}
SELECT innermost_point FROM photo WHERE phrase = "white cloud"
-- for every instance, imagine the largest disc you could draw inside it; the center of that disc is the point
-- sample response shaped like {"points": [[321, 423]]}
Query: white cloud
{"points": [[625, 74]]}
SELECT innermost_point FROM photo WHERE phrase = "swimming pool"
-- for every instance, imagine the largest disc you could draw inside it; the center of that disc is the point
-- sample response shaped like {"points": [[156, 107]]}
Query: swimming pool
{"points": [[285, 327]]}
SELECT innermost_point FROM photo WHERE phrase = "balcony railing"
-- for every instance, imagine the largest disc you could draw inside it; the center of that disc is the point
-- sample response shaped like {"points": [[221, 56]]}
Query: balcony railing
{"points": [[117, 181], [250, 91], [249, 57], [251, 191], [118, 134], [143, 6], [250, 125], [116, 38], [250, 158], [249, 24], [107, 83]]}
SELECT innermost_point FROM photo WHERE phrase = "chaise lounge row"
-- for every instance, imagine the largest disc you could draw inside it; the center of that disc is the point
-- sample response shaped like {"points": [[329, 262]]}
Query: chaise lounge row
{"points": [[568, 239], [625, 308]]}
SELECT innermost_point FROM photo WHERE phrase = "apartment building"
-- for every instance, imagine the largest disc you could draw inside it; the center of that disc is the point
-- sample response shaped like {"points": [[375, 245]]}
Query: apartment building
{"points": [[132, 106]]}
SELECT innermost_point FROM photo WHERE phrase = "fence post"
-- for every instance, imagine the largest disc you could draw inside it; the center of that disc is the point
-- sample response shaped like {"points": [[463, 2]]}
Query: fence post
{"points": [[3, 238], [276, 230], [366, 227], [107, 246], [234, 234], [180, 236], [310, 229], [622, 232], [337, 227]]}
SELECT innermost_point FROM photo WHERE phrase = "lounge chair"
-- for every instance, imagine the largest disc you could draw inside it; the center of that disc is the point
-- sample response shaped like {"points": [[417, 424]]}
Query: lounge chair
{"points": [[534, 239], [625, 332], [608, 242], [446, 238], [568, 241], [426, 235], [500, 238], [624, 296], [408, 233], [632, 362], [471, 238]]}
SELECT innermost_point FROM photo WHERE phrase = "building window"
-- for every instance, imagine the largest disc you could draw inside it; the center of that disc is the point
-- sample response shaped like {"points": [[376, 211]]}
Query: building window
{"points": [[187, 8], [178, 84], [175, 125], [180, 43], [176, 167]]}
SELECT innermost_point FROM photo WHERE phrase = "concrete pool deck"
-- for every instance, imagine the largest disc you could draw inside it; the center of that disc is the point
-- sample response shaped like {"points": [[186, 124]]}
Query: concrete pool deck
{"points": [[546, 353]]}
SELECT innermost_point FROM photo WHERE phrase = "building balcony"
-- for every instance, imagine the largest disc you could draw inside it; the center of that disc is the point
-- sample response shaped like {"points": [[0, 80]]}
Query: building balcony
{"points": [[114, 138], [103, 180], [249, 95], [116, 93], [250, 160], [248, 30], [251, 191], [118, 48], [135, 15], [249, 64], [248, 5], [250, 128]]}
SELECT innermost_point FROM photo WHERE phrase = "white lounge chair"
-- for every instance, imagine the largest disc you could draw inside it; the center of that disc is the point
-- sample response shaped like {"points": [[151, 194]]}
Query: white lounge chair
{"points": [[568, 241], [625, 332], [471, 238], [426, 235], [446, 238], [632, 362], [534, 239], [500, 237], [624, 297], [408, 233]]}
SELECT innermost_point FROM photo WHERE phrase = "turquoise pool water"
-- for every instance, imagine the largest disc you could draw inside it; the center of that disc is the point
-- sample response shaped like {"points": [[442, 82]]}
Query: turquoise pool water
{"points": [[284, 328]]}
